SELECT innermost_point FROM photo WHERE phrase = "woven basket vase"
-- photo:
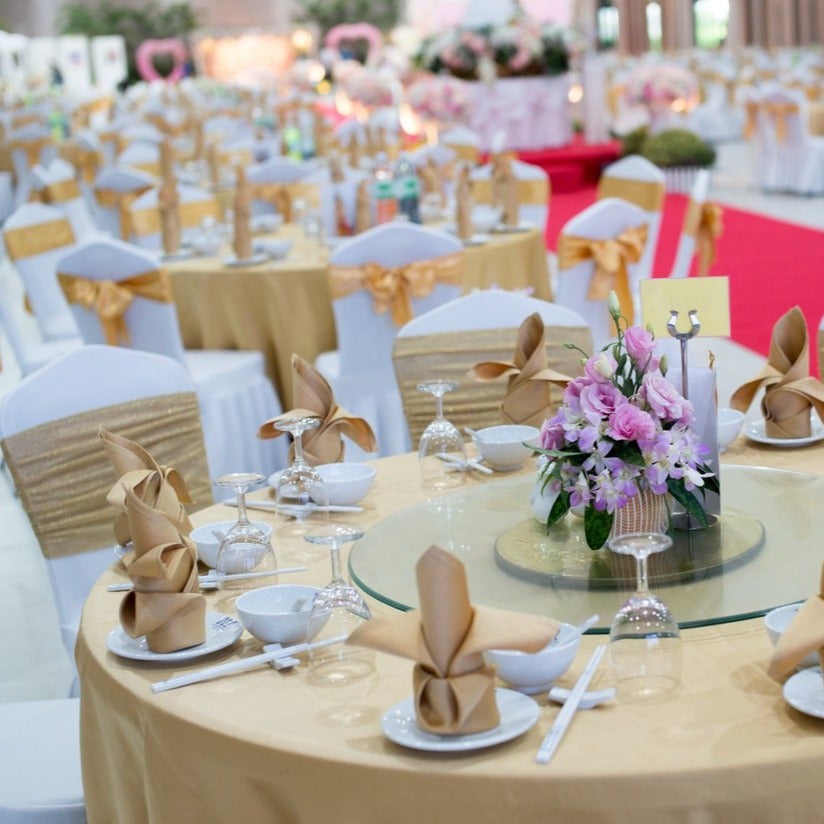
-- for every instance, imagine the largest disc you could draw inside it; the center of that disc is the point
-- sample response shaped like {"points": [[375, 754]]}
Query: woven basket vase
{"points": [[645, 512]]}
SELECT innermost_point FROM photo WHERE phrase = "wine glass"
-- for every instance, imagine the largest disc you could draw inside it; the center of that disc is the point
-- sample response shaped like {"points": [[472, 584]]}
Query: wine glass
{"points": [[644, 641], [441, 453], [300, 489], [244, 549], [341, 609]]}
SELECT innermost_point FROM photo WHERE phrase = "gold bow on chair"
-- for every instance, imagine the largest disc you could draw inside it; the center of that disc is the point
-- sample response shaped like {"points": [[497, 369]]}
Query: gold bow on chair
{"points": [[110, 300], [394, 287], [60, 191], [610, 257], [778, 113], [704, 222]]}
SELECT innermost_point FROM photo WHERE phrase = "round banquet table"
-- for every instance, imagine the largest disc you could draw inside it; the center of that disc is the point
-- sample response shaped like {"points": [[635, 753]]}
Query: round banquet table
{"points": [[284, 306], [271, 746]]}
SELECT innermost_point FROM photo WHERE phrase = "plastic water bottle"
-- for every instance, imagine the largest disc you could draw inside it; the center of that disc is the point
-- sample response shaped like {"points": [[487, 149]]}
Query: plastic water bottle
{"points": [[407, 190], [386, 206], [292, 140]]}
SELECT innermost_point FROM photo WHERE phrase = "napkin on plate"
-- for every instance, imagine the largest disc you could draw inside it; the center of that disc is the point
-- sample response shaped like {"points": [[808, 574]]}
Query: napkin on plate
{"points": [[161, 487], [165, 604], [527, 400], [314, 397], [790, 392], [804, 635], [454, 689], [463, 204]]}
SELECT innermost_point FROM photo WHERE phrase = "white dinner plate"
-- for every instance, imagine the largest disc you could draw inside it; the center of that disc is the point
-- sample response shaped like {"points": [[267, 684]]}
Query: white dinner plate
{"points": [[805, 692], [756, 431], [234, 263], [221, 631], [518, 714]]}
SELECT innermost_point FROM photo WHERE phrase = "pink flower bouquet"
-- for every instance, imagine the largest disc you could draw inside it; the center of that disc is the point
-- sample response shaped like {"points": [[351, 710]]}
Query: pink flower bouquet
{"points": [[622, 428], [440, 99]]}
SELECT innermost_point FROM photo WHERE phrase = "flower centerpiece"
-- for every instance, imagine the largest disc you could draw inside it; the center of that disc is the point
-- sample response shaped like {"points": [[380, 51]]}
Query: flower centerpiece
{"points": [[441, 100], [621, 437]]}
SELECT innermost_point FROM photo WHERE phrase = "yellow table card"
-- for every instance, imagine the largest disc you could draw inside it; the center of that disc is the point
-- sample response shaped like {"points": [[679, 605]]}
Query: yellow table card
{"points": [[709, 297]]}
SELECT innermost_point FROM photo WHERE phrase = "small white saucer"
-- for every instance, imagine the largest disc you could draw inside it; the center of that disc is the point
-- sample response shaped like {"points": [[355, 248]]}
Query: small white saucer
{"points": [[476, 240], [518, 714], [221, 631], [234, 263], [184, 253], [756, 431], [502, 229], [805, 692]]}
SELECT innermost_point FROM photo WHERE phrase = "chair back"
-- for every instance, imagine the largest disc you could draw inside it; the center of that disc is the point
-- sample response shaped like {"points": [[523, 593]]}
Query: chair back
{"points": [[482, 326], [57, 184], [115, 189], [782, 117], [604, 220], [141, 155], [277, 184], [194, 205], [463, 141], [691, 226], [148, 320], [533, 188], [29, 145], [638, 181], [49, 423], [345, 192], [35, 237]]}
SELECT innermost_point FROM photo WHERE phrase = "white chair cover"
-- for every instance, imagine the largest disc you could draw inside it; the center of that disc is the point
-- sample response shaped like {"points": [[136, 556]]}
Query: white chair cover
{"points": [[686, 241], [117, 179], [533, 213], [76, 210], [346, 190], [142, 155], [29, 133], [186, 194], [235, 394]]}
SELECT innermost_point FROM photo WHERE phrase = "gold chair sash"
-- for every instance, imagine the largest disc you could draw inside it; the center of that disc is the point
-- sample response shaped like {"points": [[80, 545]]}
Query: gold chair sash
{"points": [[610, 257], [645, 194], [63, 476], [776, 112], [87, 162], [122, 201], [110, 299], [31, 148], [464, 151], [283, 195], [704, 222], [530, 192], [58, 192], [392, 288], [148, 222], [28, 241], [751, 118]]}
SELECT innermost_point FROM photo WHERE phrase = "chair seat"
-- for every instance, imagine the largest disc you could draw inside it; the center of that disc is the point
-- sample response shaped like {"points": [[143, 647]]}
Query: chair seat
{"points": [[40, 745]]}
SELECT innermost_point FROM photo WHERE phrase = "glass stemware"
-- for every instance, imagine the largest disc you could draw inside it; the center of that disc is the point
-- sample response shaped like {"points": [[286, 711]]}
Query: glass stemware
{"points": [[244, 548], [442, 452], [300, 489], [341, 609], [644, 640]]}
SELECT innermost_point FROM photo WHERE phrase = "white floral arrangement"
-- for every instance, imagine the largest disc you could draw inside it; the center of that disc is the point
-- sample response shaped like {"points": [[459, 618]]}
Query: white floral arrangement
{"points": [[658, 84], [440, 99]]}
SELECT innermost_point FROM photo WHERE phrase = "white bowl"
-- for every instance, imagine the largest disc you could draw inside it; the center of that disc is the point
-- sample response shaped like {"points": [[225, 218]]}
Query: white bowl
{"points": [[280, 614], [485, 218], [532, 672], [273, 248], [207, 544], [729, 425], [266, 223], [777, 620], [346, 483], [502, 447]]}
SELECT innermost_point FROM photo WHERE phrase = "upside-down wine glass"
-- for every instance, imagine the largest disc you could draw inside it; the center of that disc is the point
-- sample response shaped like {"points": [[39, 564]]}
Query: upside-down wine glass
{"points": [[300, 489], [644, 640], [244, 548], [341, 609], [442, 452]]}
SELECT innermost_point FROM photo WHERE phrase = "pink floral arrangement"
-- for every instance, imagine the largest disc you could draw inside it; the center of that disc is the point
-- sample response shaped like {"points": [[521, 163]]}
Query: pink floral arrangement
{"points": [[622, 428], [370, 89], [661, 84], [440, 99]]}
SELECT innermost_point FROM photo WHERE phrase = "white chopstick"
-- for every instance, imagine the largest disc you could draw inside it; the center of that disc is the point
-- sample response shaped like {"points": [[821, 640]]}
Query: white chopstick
{"points": [[464, 465], [271, 506], [556, 732], [242, 664], [210, 579]]}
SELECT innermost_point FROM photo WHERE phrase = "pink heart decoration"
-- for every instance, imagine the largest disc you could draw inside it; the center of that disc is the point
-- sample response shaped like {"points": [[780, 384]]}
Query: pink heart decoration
{"points": [[355, 31], [149, 49]]}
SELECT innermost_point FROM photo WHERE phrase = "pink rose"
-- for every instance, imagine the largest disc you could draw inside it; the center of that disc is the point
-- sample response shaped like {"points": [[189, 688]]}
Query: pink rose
{"points": [[600, 367], [639, 343], [629, 423], [599, 401], [665, 401], [552, 434]]}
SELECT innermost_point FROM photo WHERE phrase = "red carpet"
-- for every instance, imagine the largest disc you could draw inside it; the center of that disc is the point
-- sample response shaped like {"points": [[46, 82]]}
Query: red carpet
{"points": [[772, 265], [576, 166]]}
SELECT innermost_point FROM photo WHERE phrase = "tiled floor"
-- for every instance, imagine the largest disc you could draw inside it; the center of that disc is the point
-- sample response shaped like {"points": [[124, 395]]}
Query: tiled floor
{"points": [[34, 664]]}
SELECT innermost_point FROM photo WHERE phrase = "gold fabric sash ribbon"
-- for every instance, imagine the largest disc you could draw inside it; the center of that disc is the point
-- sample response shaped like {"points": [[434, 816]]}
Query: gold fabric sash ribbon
{"points": [[464, 151], [110, 299], [29, 241], [453, 688], [148, 221], [122, 201], [32, 148], [610, 257], [645, 194], [530, 192], [790, 392], [527, 400], [60, 192], [393, 288], [63, 477], [778, 113], [703, 221], [314, 398], [283, 196]]}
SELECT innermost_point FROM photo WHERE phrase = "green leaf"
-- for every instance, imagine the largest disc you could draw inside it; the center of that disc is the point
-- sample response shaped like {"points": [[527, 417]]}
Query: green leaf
{"points": [[597, 525], [711, 483], [687, 500], [559, 508]]}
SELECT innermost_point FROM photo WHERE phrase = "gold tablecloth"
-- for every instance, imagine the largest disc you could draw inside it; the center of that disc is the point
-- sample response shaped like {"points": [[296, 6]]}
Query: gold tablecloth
{"points": [[265, 746], [281, 307]]}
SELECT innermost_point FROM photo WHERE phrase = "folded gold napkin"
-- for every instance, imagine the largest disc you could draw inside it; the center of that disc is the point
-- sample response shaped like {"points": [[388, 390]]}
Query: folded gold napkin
{"points": [[804, 635], [527, 400], [242, 205], [165, 604], [168, 201], [463, 204], [454, 689], [314, 397], [161, 487], [710, 228], [789, 390], [431, 181], [505, 189]]}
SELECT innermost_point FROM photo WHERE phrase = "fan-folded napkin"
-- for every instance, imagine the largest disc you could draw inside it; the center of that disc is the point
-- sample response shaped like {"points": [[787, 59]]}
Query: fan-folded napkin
{"points": [[527, 400], [454, 689], [314, 398], [790, 392], [165, 604]]}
